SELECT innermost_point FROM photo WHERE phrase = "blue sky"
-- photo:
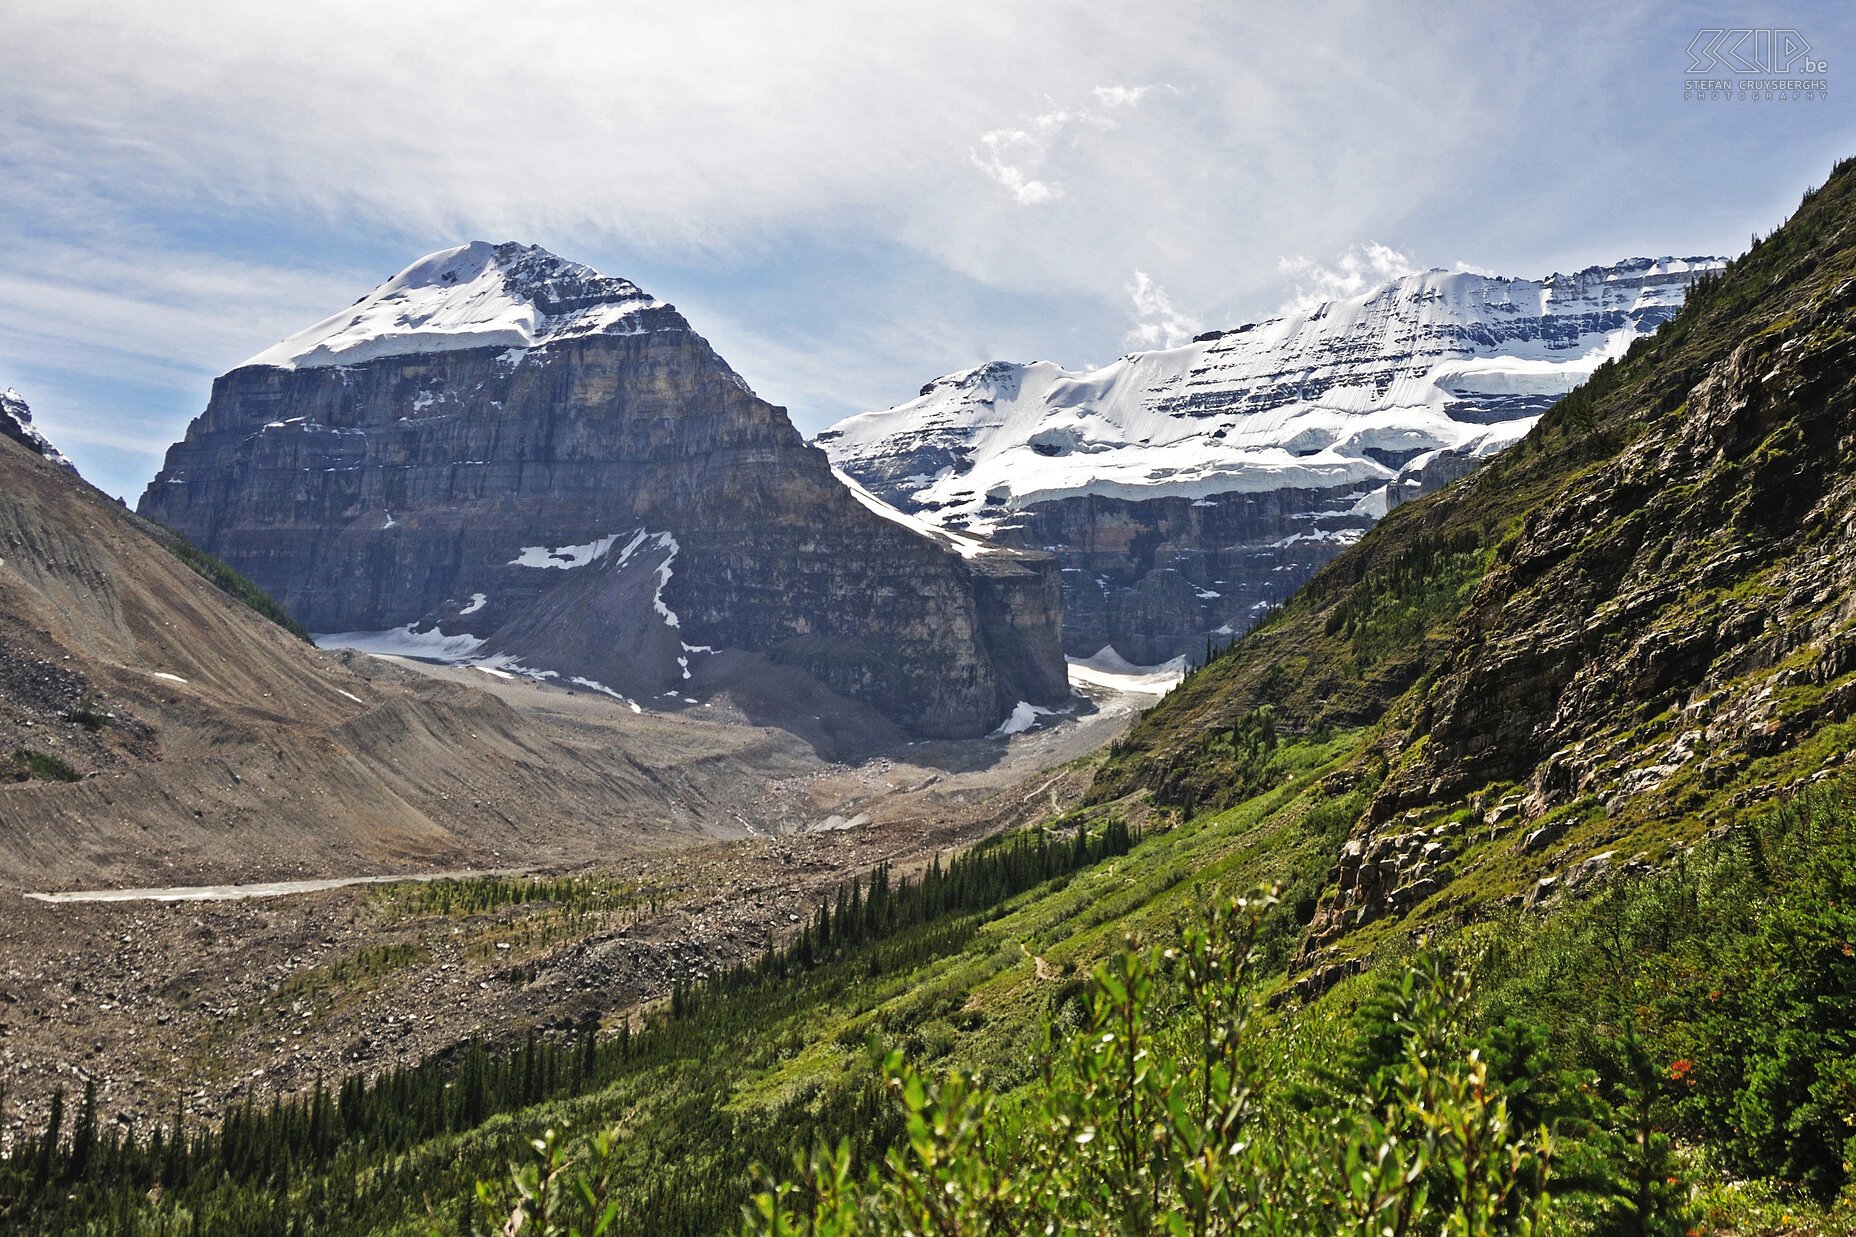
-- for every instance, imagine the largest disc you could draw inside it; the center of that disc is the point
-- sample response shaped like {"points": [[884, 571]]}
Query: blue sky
{"points": [[848, 200]]}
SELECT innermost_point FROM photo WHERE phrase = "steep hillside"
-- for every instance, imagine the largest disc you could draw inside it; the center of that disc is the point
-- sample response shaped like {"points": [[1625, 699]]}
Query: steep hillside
{"points": [[1185, 490], [1592, 648], [502, 456], [157, 730]]}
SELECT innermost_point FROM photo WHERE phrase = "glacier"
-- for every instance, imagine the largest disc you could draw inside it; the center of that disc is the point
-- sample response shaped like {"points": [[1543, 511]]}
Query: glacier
{"points": [[1186, 489], [1345, 392]]}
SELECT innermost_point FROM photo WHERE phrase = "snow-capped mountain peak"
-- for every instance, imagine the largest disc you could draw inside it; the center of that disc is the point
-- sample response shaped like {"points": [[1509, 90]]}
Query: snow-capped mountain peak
{"points": [[1186, 490], [478, 295], [16, 423], [1339, 394]]}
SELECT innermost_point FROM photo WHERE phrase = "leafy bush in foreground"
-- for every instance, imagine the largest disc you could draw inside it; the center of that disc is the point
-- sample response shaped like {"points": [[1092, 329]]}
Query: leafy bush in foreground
{"points": [[1159, 1117], [1174, 1120]]}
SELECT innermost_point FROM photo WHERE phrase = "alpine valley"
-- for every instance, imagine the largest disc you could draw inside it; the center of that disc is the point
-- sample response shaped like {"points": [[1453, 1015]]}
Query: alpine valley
{"points": [[682, 829]]}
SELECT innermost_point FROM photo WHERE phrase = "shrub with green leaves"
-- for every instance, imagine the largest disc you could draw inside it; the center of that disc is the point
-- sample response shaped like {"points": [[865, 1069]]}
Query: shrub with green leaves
{"points": [[1168, 1115], [28, 765], [552, 1194]]}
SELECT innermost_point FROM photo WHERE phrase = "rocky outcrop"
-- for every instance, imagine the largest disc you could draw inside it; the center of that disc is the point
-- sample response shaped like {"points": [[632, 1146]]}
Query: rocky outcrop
{"points": [[1386, 872], [506, 456], [1188, 489], [1684, 610], [16, 424]]}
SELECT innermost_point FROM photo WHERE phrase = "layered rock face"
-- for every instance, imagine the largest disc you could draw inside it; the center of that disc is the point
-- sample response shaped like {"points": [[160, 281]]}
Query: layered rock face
{"points": [[1186, 490], [1149, 577], [504, 456], [1704, 580], [1653, 634]]}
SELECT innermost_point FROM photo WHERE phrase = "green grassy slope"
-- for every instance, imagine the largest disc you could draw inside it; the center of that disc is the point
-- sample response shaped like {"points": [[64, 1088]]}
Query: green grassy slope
{"points": [[1633, 621]]}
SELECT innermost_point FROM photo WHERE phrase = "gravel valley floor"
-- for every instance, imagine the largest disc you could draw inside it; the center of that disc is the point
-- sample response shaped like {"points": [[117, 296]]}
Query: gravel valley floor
{"points": [[171, 998]]}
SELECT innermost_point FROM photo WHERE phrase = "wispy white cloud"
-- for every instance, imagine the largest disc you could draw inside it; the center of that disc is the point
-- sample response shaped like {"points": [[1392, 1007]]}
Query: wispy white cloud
{"points": [[1159, 324], [70, 435], [1020, 152], [165, 313], [1032, 147], [1022, 188], [1130, 96], [159, 322], [1354, 270]]}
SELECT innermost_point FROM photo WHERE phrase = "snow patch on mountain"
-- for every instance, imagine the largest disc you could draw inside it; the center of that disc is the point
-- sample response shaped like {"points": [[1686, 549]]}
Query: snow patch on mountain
{"points": [[429, 645], [1109, 669], [1023, 717], [1345, 393], [428, 642], [662, 541], [569, 557], [965, 544], [433, 645], [595, 685], [478, 295]]}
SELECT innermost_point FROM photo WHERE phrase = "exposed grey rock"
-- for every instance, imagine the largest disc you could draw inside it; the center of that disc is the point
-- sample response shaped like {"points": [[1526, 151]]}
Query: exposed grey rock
{"points": [[435, 485], [1385, 872], [1543, 837], [1158, 578], [1592, 869]]}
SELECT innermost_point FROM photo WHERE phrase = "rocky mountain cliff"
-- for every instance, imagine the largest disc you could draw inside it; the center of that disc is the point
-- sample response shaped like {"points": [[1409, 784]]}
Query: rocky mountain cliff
{"points": [[1603, 645], [1188, 489], [504, 456], [157, 730]]}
